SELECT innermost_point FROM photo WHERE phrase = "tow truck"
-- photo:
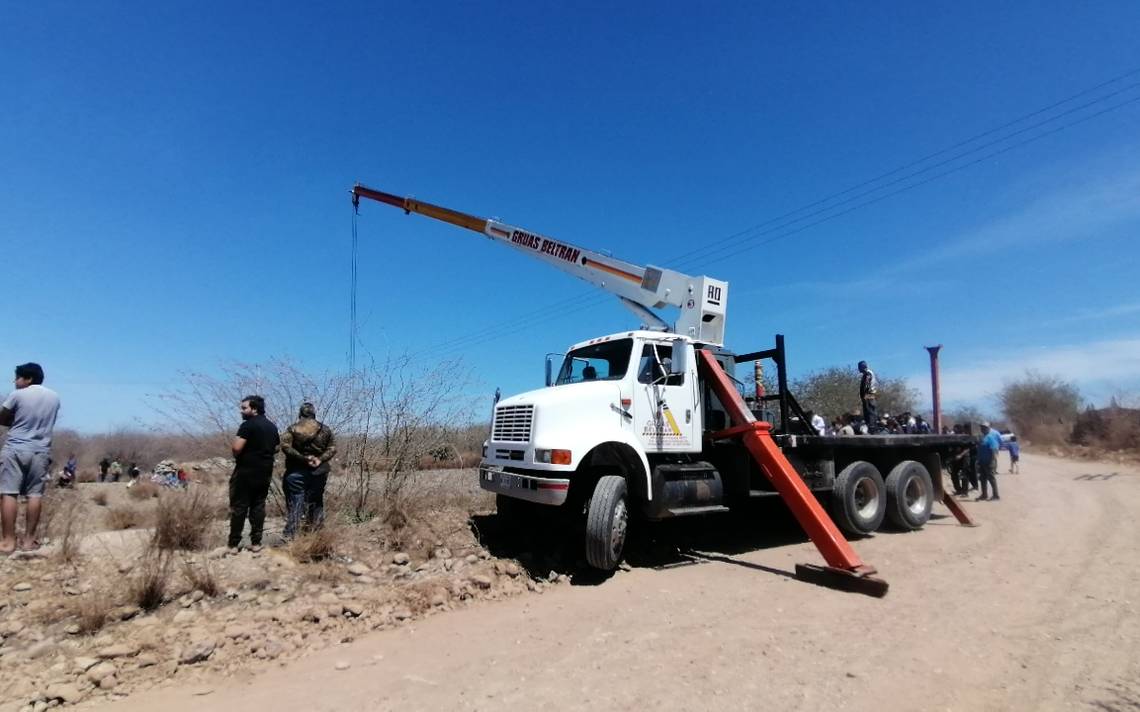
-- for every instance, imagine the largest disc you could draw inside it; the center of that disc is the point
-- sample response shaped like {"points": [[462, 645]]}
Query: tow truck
{"points": [[649, 424]]}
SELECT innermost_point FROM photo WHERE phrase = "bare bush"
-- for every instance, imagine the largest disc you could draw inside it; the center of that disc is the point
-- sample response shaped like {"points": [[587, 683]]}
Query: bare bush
{"points": [[182, 520], [65, 529], [124, 516], [834, 391], [142, 490], [1041, 408], [91, 610], [100, 497], [148, 586], [1115, 428]]}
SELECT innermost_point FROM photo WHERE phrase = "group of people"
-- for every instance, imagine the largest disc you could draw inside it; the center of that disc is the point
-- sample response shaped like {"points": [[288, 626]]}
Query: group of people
{"points": [[308, 445], [30, 413]]}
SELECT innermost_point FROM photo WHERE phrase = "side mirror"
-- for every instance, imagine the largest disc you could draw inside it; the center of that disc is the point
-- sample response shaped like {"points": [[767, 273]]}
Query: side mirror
{"points": [[549, 370], [679, 358]]}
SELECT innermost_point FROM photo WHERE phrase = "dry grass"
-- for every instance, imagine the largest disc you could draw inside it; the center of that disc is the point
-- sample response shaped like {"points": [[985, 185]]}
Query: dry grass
{"points": [[316, 545], [100, 497], [325, 572], [201, 577], [91, 611], [147, 588], [124, 516], [182, 520], [67, 535], [141, 490]]}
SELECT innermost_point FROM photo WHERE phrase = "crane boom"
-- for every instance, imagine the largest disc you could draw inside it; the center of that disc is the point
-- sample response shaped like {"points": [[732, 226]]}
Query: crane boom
{"points": [[701, 300]]}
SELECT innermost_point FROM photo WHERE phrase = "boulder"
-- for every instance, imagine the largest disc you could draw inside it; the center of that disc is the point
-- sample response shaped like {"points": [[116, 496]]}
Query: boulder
{"points": [[197, 651]]}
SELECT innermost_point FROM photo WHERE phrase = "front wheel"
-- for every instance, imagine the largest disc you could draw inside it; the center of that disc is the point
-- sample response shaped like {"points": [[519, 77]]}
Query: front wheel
{"points": [[607, 522]]}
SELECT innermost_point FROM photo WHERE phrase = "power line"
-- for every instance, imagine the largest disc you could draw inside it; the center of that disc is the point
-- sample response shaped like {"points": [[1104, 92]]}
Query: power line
{"points": [[736, 245]]}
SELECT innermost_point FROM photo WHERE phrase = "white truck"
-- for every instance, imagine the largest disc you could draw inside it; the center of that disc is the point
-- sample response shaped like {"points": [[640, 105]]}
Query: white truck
{"points": [[648, 424]]}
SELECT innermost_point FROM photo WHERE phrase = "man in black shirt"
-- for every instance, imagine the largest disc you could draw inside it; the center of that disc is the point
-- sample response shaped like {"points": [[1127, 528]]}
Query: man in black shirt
{"points": [[254, 449]]}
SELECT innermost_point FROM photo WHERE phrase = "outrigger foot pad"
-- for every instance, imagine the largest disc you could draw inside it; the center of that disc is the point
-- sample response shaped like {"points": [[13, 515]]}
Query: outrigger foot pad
{"points": [[842, 579]]}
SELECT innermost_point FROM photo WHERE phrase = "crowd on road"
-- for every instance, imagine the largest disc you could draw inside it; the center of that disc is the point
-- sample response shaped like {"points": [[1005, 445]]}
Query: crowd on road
{"points": [[30, 413]]}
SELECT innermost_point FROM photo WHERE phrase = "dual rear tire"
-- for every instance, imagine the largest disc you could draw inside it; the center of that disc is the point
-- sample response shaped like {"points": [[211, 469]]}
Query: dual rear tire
{"points": [[862, 499]]}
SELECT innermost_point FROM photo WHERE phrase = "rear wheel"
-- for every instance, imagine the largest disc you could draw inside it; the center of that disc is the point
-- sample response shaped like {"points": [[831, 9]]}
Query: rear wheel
{"points": [[607, 521], [859, 500], [910, 495]]}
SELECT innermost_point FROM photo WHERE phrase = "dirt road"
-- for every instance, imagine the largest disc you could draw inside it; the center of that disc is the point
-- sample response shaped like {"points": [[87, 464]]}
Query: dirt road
{"points": [[1036, 609]]}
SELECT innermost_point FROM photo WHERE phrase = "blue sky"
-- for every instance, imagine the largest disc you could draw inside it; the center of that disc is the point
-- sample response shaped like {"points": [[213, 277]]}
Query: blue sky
{"points": [[174, 177]]}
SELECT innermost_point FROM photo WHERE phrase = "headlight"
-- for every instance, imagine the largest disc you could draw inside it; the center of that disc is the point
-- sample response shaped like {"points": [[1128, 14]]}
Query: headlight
{"points": [[552, 457]]}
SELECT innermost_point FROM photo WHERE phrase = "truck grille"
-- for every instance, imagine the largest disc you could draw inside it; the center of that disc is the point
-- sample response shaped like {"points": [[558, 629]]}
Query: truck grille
{"points": [[512, 423]]}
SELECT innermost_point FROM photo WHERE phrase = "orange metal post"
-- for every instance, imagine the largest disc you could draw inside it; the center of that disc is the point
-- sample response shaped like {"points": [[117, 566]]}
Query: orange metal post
{"points": [[757, 438]]}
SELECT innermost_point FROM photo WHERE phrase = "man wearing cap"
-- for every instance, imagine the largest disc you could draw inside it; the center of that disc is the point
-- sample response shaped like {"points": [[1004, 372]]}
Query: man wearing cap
{"points": [[987, 460], [868, 390], [308, 446]]}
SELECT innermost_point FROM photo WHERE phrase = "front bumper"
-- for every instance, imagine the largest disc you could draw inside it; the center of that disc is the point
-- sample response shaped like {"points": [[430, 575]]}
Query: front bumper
{"points": [[542, 490]]}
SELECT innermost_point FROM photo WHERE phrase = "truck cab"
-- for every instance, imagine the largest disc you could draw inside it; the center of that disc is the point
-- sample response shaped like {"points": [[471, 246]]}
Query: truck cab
{"points": [[615, 404]]}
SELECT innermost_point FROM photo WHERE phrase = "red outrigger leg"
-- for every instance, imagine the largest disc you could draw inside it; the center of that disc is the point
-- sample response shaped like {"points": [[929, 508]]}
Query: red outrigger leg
{"points": [[844, 568]]}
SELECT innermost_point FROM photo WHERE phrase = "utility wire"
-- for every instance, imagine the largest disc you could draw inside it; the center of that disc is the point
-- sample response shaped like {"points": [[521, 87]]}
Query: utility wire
{"points": [[481, 338], [736, 242]]}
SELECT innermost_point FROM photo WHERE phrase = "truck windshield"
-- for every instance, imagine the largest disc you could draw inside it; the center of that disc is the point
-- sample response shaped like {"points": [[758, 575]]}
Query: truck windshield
{"points": [[607, 361]]}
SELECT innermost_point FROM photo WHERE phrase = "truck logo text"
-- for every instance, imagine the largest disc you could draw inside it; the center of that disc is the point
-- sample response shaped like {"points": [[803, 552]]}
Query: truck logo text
{"points": [[545, 246]]}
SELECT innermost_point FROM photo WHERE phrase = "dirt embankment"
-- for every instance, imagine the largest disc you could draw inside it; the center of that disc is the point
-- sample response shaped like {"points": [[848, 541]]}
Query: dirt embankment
{"points": [[1036, 609]]}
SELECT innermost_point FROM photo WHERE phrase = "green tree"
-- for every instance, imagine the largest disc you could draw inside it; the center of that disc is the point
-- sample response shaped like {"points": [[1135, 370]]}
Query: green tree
{"points": [[1041, 407], [834, 391]]}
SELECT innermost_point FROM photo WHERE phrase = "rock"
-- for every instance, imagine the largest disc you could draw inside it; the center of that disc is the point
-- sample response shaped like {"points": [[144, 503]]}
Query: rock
{"points": [[513, 569], [202, 691], [335, 610], [67, 692], [125, 567], [342, 665], [237, 632], [125, 613], [364, 580], [401, 614], [311, 615], [146, 660], [183, 617], [197, 651], [265, 616], [448, 564], [100, 671], [83, 664], [439, 599], [122, 650], [217, 553], [41, 649], [358, 569], [72, 629], [273, 649], [108, 683], [442, 552], [22, 586], [327, 598], [354, 609], [481, 581], [471, 559], [196, 595], [400, 558]]}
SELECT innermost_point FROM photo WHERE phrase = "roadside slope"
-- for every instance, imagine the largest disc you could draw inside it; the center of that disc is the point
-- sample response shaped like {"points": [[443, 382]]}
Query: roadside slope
{"points": [[1035, 609]]}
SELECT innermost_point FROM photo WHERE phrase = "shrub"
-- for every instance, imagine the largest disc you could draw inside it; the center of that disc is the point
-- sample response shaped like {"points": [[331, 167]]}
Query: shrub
{"points": [[182, 520], [144, 490], [316, 545], [1042, 408], [147, 588], [68, 536], [123, 516], [100, 497], [201, 577]]}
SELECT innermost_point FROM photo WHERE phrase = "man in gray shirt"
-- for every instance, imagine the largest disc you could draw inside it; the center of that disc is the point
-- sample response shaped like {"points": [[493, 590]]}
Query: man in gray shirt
{"points": [[29, 412]]}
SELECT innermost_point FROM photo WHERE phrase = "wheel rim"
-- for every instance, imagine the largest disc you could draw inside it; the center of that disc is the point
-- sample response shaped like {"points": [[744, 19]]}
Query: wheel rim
{"points": [[866, 498], [915, 496], [617, 532]]}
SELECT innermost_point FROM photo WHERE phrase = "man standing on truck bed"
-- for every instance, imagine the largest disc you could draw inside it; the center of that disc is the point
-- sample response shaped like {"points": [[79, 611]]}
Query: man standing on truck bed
{"points": [[868, 389]]}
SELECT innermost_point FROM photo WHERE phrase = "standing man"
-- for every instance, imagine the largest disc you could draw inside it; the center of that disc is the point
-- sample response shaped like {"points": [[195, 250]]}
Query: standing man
{"points": [[308, 446], [868, 390], [116, 470], [987, 460], [29, 412], [253, 447]]}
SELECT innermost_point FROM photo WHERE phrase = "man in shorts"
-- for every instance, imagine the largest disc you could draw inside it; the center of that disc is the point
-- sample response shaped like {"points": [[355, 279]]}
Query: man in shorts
{"points": [[29, 412]]}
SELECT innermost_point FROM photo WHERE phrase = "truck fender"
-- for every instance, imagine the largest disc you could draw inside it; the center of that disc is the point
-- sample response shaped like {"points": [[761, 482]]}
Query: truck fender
{"points": [[629, 457]]}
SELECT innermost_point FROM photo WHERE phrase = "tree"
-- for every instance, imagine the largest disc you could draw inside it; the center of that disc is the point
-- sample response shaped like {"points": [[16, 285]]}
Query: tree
{"points": [[831, 392], [1041, 407]]}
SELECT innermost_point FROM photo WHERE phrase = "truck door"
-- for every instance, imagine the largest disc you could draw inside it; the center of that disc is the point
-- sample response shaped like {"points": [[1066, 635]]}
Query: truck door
{"points": [[664, 405]]}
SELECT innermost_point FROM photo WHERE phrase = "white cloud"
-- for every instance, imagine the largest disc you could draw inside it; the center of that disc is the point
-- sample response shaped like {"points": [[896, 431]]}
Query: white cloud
{"points": [[1098, 368]]}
